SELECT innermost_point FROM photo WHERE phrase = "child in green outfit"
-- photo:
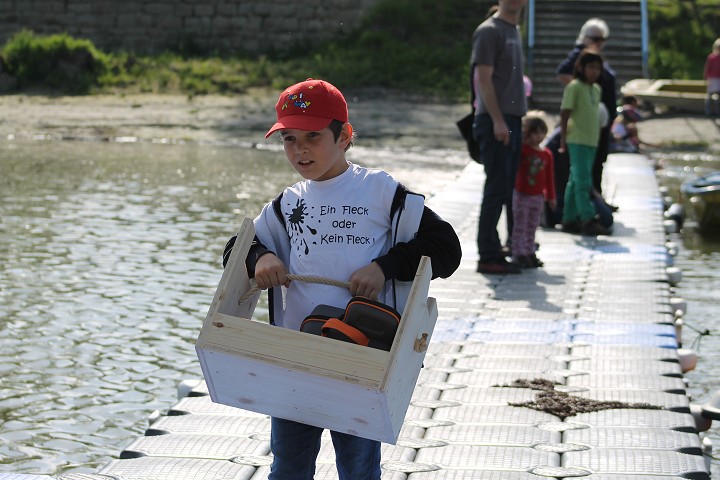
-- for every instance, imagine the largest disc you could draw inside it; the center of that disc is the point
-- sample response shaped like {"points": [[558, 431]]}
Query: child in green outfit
{"points": [[579, 134]]}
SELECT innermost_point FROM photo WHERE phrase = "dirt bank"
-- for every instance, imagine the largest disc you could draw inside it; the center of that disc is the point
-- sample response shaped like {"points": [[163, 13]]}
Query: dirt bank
{"points": [[215, 118], [376, 115]]}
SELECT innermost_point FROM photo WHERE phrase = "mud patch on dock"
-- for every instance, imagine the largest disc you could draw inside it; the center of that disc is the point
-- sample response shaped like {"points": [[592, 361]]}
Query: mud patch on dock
{"points": [[564, 405]]}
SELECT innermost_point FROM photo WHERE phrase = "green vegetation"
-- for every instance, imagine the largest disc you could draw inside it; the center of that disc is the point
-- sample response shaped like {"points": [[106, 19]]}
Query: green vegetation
{"points": [[417, 46], [682, 33], [61, 63], [420, 47], [401, 44], [172, 72], [56, 61]]}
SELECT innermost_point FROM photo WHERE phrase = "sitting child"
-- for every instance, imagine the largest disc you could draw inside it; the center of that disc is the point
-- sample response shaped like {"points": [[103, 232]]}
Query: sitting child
{"points": [[624, 128]]}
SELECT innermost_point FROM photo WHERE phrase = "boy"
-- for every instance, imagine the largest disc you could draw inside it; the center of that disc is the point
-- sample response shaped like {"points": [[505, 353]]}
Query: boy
{"points": [[336, 223]]}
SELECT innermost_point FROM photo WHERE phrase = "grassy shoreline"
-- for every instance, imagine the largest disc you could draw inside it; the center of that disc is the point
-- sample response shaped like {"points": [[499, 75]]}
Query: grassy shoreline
{"points": [[422, 55]]}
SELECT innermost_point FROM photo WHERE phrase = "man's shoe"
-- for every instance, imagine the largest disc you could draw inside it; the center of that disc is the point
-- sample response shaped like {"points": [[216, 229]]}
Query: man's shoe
{"points": [[571, 227], [498, 266], [593, 228]]}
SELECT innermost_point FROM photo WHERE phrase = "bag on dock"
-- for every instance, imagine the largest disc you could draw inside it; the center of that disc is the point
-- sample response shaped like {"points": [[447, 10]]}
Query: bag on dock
{"points": [[363, 322]]}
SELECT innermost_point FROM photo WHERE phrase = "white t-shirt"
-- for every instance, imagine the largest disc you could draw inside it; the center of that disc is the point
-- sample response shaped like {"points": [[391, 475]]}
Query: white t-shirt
{"points": [[335, 227]]}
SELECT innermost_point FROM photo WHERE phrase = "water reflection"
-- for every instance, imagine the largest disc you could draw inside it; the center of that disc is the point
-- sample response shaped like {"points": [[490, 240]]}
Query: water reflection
{"points": [[109, 259]]}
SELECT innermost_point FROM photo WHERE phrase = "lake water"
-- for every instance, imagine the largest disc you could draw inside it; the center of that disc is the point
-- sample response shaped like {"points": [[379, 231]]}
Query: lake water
{"points": [[699, 259], [109, 259]]}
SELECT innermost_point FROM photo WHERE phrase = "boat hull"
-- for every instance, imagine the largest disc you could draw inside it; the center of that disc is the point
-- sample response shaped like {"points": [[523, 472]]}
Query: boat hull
{"points": [[679, 95], [702, 200]]}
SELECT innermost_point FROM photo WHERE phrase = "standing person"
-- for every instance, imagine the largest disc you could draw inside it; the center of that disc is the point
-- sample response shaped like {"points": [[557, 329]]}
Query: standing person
{"points": [[579, 132], [534, 184], [496, 63], [337, 223], [712, 78], [594, 34]]}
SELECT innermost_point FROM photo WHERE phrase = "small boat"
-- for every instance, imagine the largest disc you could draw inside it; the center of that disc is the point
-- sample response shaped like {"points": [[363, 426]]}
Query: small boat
{"points": [[702, 200], [679, 95]]}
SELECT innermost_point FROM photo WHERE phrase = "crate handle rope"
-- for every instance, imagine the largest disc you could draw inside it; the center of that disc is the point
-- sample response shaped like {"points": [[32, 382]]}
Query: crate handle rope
{"points": [[302, 278]]}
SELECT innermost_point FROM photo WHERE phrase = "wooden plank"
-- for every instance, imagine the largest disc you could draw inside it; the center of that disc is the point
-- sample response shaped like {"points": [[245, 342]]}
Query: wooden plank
{"points": [[234, 282], [295, 350], [403, 370], [297, 395]]}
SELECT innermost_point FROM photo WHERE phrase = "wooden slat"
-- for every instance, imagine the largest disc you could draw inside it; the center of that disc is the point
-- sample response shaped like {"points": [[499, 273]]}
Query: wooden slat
{"points": [[419, 318], [295, 350], [234, 282]]}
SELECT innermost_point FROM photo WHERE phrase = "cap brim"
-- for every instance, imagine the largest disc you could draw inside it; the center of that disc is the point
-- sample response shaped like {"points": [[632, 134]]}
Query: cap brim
{"points": [[300, 122]]}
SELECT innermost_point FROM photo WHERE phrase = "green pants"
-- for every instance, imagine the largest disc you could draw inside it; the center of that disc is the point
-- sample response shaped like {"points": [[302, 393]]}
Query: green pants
{"points": [[578, 206]]}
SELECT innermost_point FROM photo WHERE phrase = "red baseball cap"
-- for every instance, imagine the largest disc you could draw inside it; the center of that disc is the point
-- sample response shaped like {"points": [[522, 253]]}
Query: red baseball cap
{"points": [[310, 105]]}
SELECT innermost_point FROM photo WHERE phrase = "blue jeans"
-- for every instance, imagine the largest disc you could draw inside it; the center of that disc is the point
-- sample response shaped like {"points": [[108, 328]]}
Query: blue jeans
{"points": [[501, 164], [295, 448]]}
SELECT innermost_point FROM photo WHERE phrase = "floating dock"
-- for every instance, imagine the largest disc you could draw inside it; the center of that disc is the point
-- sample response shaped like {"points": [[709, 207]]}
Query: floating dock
{"points": [[596, 323]]}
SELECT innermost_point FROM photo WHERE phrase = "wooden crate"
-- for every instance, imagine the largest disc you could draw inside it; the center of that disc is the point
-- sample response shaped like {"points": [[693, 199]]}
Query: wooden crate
{"points": [[306, 378]]}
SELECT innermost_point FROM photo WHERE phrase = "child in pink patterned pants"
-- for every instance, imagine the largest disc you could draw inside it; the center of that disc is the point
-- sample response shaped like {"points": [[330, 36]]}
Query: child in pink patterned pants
{"points": [[533, 185]]}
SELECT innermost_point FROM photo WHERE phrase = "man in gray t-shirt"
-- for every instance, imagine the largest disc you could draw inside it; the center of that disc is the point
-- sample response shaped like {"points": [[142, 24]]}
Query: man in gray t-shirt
{"points": [[497, 66]]}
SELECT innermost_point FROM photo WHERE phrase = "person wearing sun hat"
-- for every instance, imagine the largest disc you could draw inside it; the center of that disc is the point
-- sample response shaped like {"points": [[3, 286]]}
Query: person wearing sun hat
{"points": [[336, 223]]}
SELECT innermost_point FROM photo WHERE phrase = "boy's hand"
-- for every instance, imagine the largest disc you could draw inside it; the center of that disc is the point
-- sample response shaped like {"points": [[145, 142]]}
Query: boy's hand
{"points": [[368, 281], [552, 204], [270, 271]]}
